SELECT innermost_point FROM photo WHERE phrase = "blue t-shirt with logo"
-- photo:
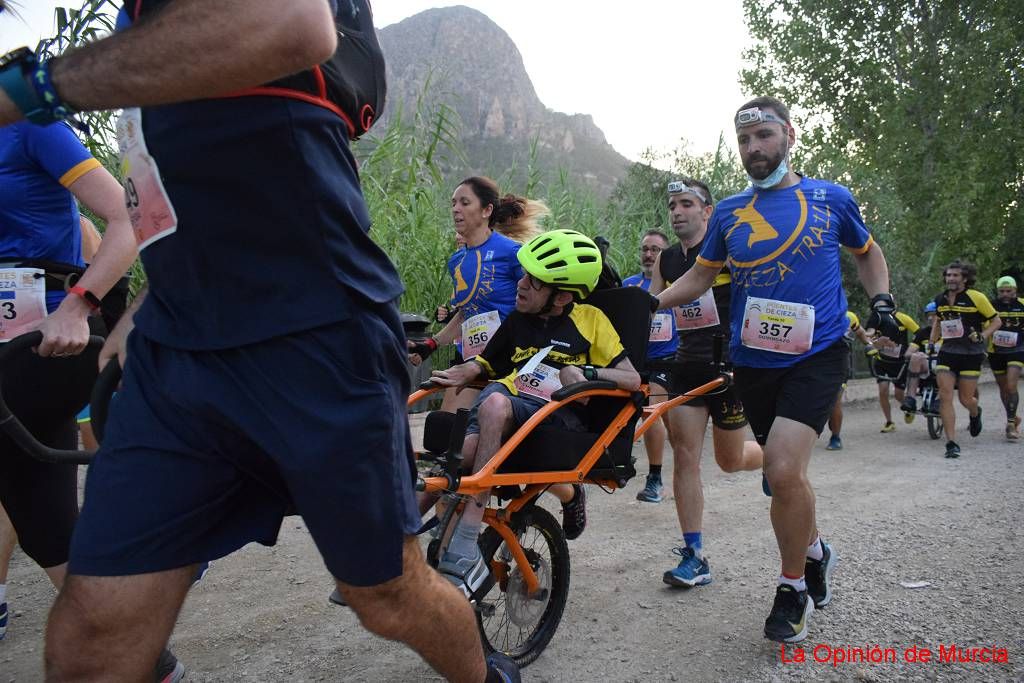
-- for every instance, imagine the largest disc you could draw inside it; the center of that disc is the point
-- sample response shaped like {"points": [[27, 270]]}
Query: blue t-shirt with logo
{"points": [[38, 215], [784, 245], [484, 277], [660, 349]]}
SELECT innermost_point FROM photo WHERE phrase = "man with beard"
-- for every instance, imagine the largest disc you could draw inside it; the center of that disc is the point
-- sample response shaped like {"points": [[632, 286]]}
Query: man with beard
{"points": [[661, 346], [965, 322], [782, 239], [699, 321], [1006, 354]]}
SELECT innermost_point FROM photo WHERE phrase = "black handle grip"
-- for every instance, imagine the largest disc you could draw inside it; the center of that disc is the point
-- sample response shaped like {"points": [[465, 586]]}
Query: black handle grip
{"points": [[13, 426], [99, 400]]}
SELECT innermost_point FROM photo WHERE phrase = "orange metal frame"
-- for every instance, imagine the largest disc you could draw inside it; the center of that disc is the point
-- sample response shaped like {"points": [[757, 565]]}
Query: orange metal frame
{"points": [[536, 482]]}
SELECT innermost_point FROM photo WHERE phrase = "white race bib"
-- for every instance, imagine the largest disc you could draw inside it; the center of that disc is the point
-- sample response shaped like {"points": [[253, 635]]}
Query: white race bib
{"points": [[22, 301], [1004, 338], [699, 314], [149, 207], [951, 329], [777, 326], [477, 331], [541, 381], [661, 328]]}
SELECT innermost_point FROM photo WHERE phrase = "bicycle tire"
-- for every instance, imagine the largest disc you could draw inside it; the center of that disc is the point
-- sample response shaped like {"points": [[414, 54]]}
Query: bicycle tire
{"points": [[934, 427], [537, 531]]}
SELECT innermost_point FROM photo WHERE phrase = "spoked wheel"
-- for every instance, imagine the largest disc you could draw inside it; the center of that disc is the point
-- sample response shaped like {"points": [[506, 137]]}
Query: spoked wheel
{"points": [[511, 620], [934, 426]]}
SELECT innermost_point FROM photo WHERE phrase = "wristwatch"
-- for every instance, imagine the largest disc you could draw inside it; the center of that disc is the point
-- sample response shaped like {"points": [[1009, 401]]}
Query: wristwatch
{"points": [[589, 372]]}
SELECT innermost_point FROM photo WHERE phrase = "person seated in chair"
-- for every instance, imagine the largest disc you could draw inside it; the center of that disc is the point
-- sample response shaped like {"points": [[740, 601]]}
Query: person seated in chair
{"points": [[551, 340]]}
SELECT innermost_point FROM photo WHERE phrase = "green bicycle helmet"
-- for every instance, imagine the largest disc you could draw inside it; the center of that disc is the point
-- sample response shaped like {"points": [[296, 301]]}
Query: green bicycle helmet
{"points": [[565, 259]]}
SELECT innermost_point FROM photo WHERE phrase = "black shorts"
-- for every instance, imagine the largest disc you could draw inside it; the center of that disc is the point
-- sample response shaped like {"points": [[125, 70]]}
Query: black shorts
{"points": [[805, 392], [1000, 361], [723, 405], [894, 371], [661, 377], [963, 365]]}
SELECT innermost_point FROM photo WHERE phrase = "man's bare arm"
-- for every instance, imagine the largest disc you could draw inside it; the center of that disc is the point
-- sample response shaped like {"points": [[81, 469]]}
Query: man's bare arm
{"points": [[192, 49]]}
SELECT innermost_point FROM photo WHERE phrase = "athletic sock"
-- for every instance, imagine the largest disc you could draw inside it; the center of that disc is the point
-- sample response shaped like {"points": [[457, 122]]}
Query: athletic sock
{"points": [[797, 583], [656, 471], [464, 541], [814, 550], [693, 540]]}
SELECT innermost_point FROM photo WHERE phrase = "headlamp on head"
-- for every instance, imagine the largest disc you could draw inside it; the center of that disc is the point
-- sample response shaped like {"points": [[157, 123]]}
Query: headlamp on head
{"points": [[755, 116], [679, 187]]}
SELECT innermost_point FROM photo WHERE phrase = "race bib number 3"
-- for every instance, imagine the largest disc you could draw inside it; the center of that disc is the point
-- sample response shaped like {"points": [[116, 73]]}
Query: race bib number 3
{"points": [[541, 382], [951, 329], [1004, 339], [699, 314], [477, 331], [22, 301], [149, 207], [777, 326], [661, 328]]}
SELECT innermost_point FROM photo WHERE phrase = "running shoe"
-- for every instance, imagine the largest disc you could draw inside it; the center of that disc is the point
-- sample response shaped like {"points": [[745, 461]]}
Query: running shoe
{"points": [[465, 573], [834, 444], [3, 620], [1013, 429], [168, 668], [692, 571], [952, 449], [787, 622], [764, 484], [909, 405], [503, 665], [574, 513], [975, 424], [888, 427], [335, 598], [908, 418], [651, 492], [818, 574]]}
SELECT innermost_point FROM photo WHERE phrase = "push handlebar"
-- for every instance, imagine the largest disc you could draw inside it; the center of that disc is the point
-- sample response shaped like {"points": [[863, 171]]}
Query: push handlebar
{"points": [[17, 431]]}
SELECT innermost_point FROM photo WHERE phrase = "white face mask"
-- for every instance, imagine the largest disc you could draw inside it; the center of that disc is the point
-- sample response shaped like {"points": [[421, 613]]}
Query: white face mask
{"points": [[773, 178]]}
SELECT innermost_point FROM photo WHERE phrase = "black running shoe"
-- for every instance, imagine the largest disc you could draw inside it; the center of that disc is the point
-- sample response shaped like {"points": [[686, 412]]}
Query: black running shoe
{"points": [[975, 426], [787, 622], [574, 513], [952, 449], [501, 667], [818, 574], [168, 668]]}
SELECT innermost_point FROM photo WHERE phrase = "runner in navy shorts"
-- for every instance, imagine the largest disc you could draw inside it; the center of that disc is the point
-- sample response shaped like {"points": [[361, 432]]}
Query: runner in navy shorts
{"points": [[302, 424]]}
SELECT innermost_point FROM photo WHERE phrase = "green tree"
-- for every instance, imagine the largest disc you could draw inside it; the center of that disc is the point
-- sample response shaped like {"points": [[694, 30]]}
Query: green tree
{"points": [[916, 106]]}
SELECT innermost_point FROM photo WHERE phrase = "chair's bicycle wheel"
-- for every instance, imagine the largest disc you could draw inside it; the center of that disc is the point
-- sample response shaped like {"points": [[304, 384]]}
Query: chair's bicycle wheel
{"points": [[511, 621]]}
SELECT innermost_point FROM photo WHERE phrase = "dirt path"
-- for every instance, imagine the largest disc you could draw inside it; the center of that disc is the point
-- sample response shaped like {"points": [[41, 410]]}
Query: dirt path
{"points": [[893, 507]]}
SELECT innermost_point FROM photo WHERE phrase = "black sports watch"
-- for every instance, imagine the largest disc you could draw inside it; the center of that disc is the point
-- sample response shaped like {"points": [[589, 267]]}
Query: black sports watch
{"points": [[589, 372]]}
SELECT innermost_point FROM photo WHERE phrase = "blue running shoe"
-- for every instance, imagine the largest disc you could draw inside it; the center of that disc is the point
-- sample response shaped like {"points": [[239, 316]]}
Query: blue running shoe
{"points": [[651, 492], [690, 572], [3, 620], [836, 444]]}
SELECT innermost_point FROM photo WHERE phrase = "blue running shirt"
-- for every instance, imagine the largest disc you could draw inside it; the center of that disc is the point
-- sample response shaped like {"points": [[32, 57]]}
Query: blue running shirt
{"points": [[655, 349], [38, 215], [484, 278], [784, 245]]}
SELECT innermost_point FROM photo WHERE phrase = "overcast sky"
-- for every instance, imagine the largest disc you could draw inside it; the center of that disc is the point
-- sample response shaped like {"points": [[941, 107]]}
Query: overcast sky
{"points": [[650, 72]]}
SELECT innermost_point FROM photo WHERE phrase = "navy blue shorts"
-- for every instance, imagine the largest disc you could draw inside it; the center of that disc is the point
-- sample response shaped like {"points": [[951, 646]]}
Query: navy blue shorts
{"points": [[206, 451], [567, 417]]}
